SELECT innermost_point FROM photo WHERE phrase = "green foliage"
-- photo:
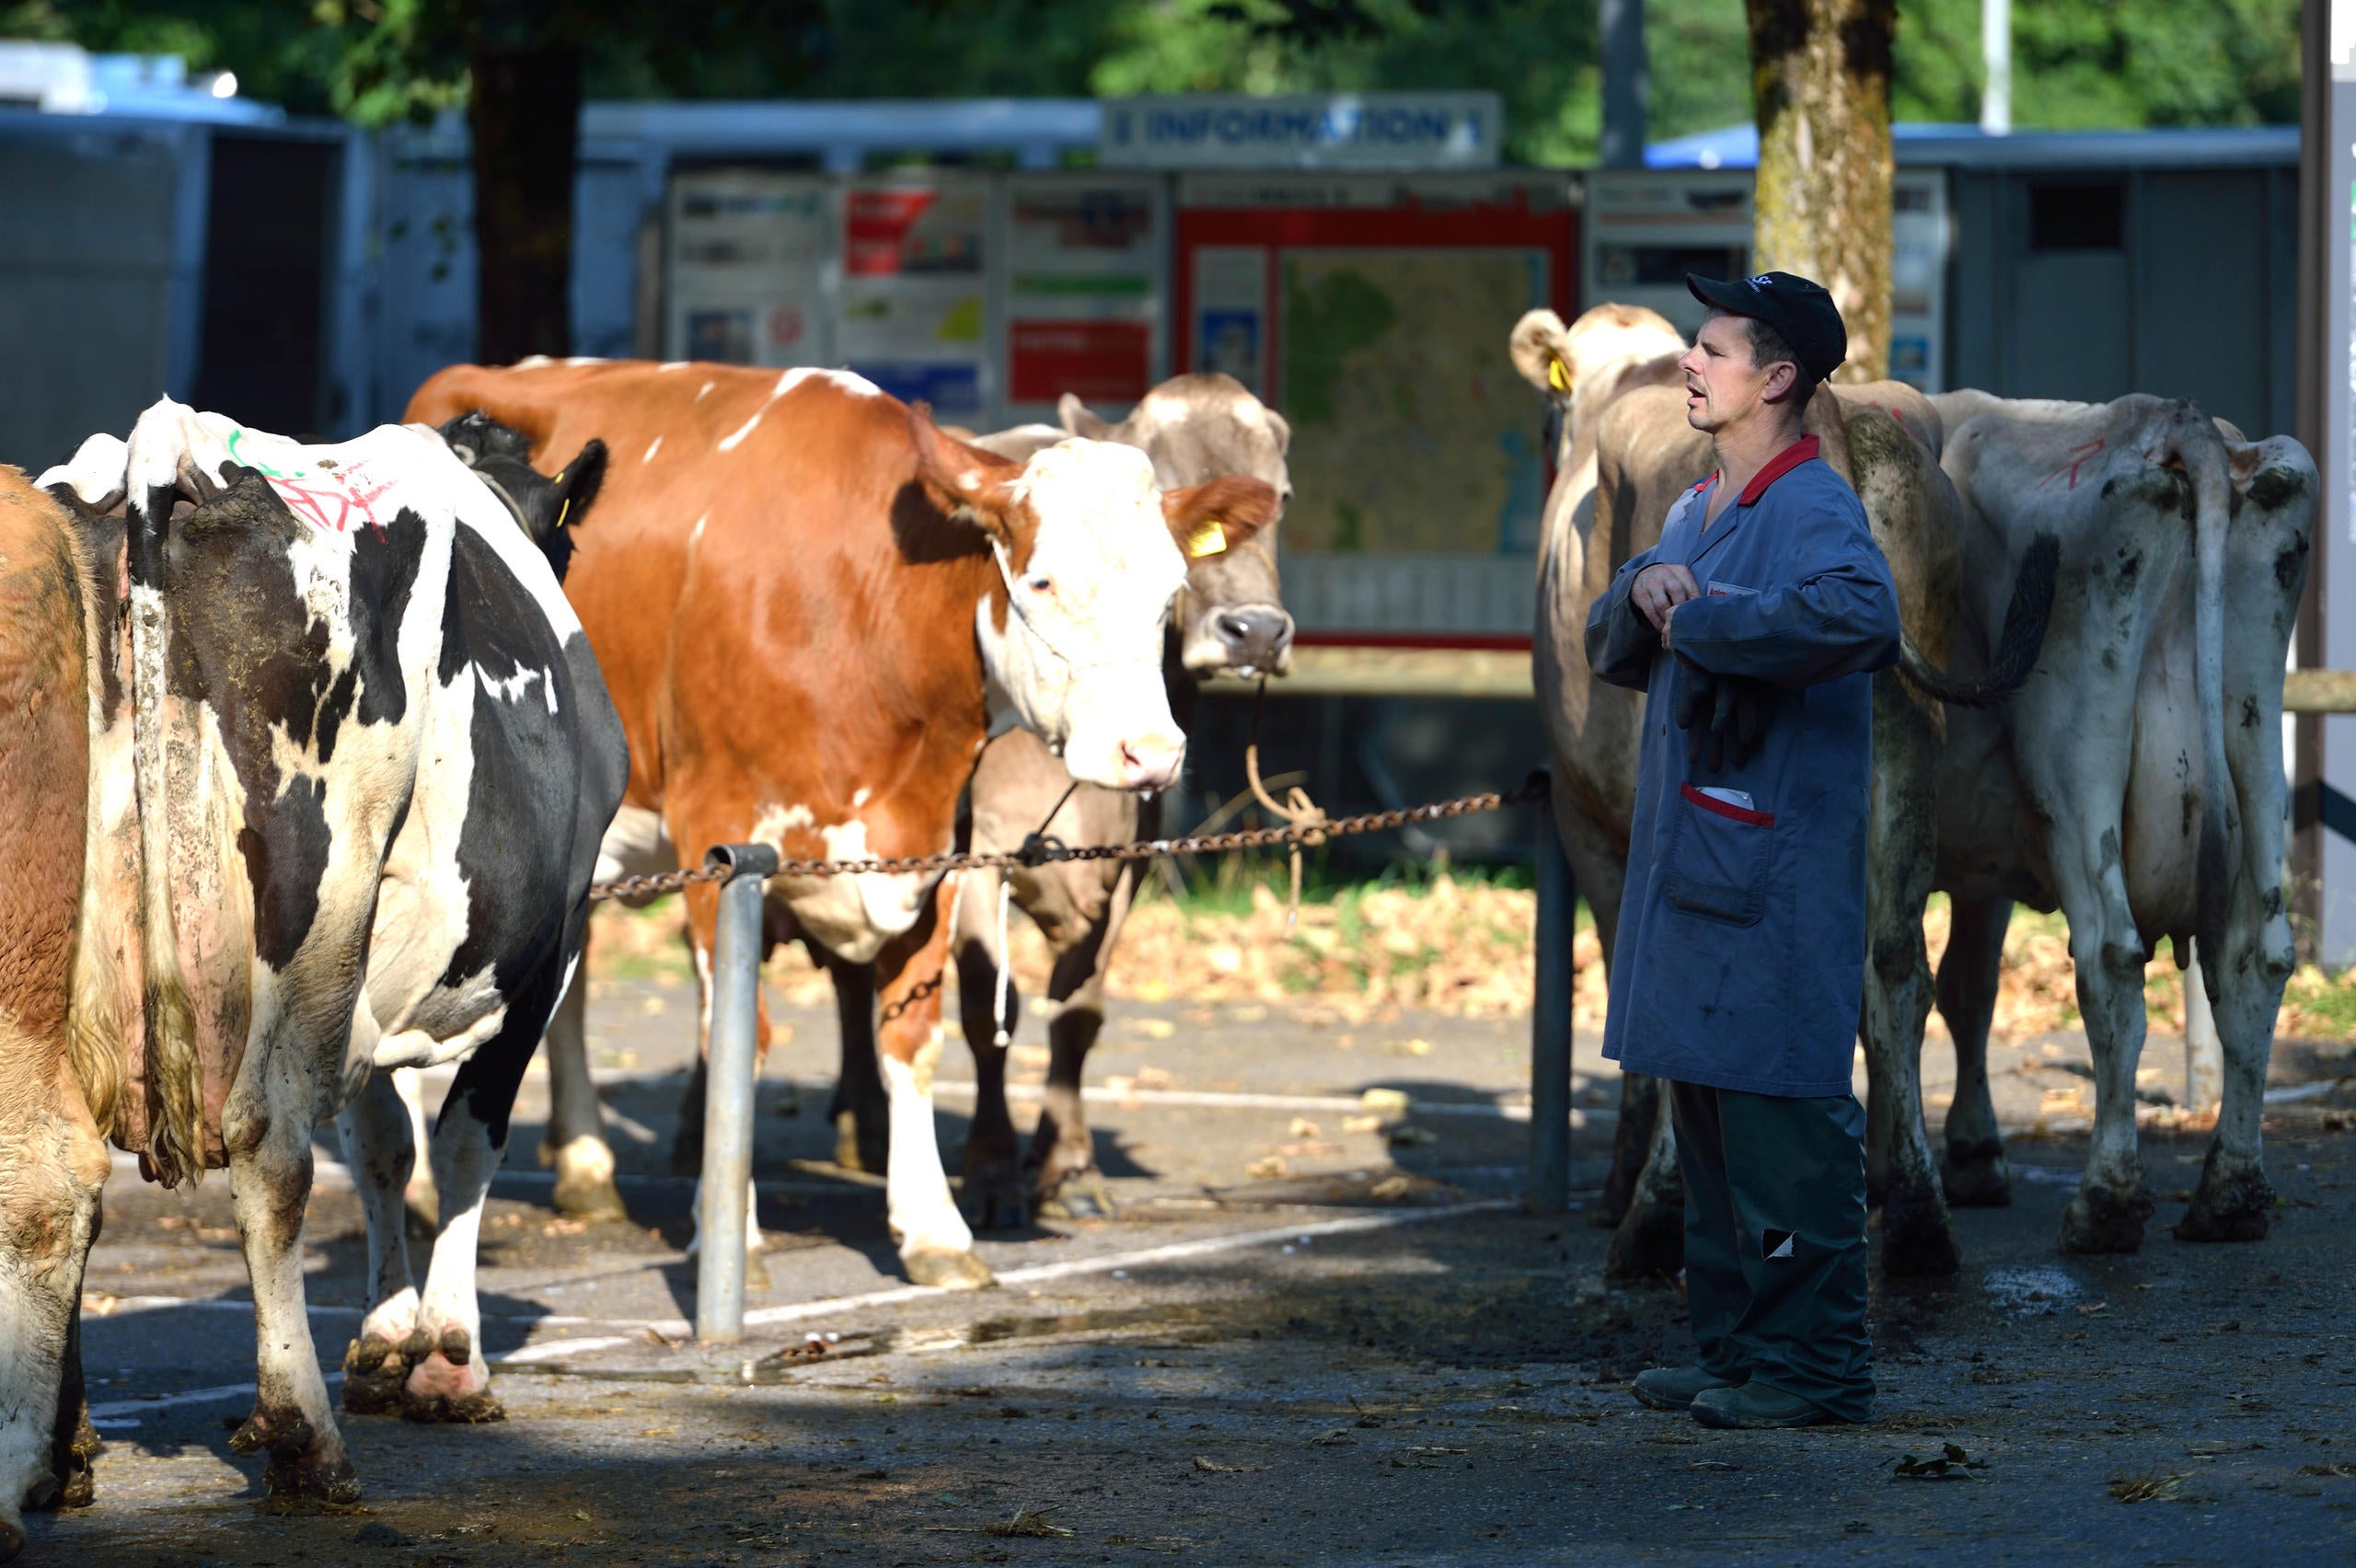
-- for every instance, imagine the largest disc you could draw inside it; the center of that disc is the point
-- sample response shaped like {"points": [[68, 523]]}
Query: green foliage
{"points": [[2077, 63]]}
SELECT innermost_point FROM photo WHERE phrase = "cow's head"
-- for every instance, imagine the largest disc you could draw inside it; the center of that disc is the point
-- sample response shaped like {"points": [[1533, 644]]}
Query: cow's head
{"points": [[1578, 366], [545, 507], [1088, 546], [1196, 428]]}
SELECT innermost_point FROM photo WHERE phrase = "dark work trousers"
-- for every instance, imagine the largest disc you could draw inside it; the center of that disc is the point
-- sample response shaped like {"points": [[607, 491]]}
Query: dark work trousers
{"points": [[1775, 1241]]}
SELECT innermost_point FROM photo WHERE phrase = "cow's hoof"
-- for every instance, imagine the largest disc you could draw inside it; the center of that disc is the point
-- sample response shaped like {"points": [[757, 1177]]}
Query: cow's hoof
{"points": [[946, 1269], [1082, 1195], [1649, 1244], [2100, 1220], [861, 1146], [303, 1470], [450, 1385], [374, 1370], [585, 1181], [1974, 1175], [590, 1199], [2239, 1208], [996, 1195], [1918, 1251]]}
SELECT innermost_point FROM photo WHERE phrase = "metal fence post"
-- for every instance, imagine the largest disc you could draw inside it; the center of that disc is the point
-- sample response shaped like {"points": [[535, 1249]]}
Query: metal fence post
{"points": [[728, 1092], [1550, 1024]]}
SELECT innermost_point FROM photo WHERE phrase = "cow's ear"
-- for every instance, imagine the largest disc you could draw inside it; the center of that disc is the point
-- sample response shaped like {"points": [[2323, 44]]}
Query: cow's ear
{"points": [[1541, 351], [967, 482], [1212, 518], [577, 483], [1077, 420], [1284, 431]]}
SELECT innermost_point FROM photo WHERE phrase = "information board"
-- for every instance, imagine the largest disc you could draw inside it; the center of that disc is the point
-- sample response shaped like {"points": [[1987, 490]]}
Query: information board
{"points": [[1373, 311], [913, 317], [748, 268], [1083, 295]]}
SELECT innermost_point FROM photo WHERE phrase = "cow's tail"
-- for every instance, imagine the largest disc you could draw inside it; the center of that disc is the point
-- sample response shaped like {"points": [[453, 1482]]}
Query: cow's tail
{"points": [[175, 1144], [2206, 465], [2026, 615]]}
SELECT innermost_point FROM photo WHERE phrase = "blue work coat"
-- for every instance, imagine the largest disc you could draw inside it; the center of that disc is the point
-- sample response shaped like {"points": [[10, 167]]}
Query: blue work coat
{"points": [[1740, 958]]}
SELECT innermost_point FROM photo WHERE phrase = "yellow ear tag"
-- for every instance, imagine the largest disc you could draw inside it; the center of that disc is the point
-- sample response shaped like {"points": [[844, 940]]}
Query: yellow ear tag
{"points": [[564, 511], [1557, 376], [1211, 539]]}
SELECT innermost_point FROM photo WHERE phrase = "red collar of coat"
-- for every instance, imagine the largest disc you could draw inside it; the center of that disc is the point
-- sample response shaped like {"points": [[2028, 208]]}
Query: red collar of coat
{"points": [[1783, 463]]}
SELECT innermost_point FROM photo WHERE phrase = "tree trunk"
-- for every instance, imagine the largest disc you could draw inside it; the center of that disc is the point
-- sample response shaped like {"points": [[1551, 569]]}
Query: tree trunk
{"points": [[1819, 74], [524, 113]]}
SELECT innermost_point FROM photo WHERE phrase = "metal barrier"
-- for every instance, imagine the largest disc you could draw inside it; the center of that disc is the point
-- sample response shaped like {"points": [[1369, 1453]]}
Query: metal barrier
{"points": [[1503, 675], [723, 1207]]}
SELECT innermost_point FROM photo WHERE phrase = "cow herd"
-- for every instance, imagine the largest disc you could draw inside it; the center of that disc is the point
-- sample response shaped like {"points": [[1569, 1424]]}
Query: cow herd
{"points": [[309, 756]]}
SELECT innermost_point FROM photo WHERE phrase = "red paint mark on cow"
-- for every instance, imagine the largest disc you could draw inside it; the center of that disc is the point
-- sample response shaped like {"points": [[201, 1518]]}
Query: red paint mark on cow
{"points": [[2089, 448], [330, 501]]}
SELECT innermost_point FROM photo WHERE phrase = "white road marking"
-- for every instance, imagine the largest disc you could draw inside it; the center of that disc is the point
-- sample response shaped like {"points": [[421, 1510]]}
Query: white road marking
{"points": [[1111, 1262], [115, 1409]]}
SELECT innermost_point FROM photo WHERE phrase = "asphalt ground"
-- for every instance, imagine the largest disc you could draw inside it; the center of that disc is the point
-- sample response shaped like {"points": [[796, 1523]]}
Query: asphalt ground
{"points": [[1314, 1334]]}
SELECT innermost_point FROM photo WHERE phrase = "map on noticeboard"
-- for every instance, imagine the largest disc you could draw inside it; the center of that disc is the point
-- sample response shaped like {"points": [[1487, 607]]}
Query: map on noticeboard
{"points": [[1412, 431]]}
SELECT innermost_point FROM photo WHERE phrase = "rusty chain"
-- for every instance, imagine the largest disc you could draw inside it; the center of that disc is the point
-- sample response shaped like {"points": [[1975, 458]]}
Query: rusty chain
{"points": [[1040, 849]]}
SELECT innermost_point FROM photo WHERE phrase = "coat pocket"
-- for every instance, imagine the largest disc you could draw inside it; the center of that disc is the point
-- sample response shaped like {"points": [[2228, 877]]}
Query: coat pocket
{"points": [[1719, 856]]}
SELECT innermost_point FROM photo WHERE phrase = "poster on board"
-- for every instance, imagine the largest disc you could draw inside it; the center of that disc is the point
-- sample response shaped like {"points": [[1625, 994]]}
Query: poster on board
{"points": [[915, 290], [748, 269], [1082, 293]]}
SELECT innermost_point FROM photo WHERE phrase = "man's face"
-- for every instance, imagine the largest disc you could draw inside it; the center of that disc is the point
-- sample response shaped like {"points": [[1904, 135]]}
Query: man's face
{"points": [[1723, 389]]}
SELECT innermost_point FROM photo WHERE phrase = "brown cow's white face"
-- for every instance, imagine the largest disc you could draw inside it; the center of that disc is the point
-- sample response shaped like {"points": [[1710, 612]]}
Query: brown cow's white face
{"points": [[1078, 659]]}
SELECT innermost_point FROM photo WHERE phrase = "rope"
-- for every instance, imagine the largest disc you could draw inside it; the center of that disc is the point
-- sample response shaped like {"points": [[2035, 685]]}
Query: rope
{"points": [[1040, 850]]}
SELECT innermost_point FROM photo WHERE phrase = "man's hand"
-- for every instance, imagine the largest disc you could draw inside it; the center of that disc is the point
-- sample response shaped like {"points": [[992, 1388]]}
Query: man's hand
{"points": [[1661, 588]]}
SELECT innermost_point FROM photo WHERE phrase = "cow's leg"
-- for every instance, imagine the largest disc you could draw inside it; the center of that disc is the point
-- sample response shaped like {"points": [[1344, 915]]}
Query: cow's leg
{"points": [[1600, 871], [997, 1196], [935, 1248], [2234, 1202], [2112, 1203], [1917, 1238], [1063, 1151], [576, 1143], [52, 1167], [860, 1112], [448, 1377], [378, 1143], [1973, 1172], [269, 1136], [1650, 1242], [423, 1204]]}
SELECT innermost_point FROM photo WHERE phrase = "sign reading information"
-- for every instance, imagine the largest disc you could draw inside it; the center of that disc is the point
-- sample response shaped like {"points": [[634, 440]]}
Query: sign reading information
{"points": [[1393, 131]]}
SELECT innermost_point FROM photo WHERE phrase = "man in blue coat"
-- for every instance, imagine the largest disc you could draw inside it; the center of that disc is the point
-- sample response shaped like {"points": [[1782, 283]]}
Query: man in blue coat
{"points": [[1754, 628]]}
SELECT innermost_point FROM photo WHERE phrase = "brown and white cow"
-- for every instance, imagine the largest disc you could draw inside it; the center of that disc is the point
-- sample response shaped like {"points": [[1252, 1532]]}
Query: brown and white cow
{"points": [[60, 1067], [1229, 617], [1624, 450], [2136, 780], [814, 608]]}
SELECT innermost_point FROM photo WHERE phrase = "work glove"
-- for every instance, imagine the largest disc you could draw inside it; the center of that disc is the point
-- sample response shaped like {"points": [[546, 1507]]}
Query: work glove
{"points": [[1724, 716]]}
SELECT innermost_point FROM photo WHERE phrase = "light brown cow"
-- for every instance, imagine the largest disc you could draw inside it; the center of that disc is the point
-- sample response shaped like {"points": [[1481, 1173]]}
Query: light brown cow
{"points": [[1624, 451], [60, 1068], [811, 608]]}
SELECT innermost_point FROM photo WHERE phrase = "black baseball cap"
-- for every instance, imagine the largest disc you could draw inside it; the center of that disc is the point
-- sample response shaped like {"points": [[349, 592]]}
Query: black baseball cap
{"points": [[1800, 311]]}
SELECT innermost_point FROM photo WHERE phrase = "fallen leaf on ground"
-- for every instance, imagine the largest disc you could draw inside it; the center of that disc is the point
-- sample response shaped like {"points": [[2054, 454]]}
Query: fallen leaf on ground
{"points": [[1032, 1522], [1393, 1187], [2345, 1467], [1302, 1127], [1952, 1464], [1335, 1438], [1267, 1167], [581, 1514], [2149, 1487], [1361, 1123], [1220, 1467], [1390, 1102]]}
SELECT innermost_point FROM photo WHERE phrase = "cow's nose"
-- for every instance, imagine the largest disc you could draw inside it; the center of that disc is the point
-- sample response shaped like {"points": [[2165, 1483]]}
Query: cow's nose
{"points": [[1255, 636], [1151, 762]]}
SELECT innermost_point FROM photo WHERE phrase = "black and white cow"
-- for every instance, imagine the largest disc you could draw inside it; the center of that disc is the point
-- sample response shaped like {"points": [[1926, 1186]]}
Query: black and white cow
{"points": [[372, 759]]}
